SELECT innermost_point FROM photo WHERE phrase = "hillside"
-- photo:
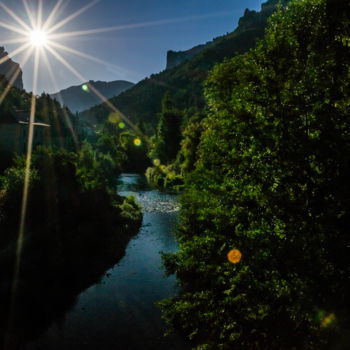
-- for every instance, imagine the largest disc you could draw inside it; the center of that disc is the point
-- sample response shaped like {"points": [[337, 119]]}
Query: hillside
{"points": [[9, 69], [185, 82], [175, 58], [78, 98]]}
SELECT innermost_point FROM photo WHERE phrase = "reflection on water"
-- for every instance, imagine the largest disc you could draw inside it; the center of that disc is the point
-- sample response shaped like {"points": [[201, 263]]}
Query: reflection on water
{"points": [[119, 311], [151, 200]]}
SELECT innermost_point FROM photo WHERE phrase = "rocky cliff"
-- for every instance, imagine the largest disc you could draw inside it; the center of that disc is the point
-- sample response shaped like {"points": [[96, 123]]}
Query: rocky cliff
{"points": [[9, 68], [250, 19]]}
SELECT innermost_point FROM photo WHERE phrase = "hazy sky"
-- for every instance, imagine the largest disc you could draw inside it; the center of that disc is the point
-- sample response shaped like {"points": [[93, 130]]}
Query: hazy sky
{"points": [[133, 53]]}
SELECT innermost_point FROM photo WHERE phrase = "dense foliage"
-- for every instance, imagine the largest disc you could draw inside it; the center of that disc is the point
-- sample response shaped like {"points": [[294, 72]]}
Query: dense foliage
{"points": [[171, 176], [76, 228], [126, 147], [272, 180], [15, 96], [66, 190], [168, 137]]}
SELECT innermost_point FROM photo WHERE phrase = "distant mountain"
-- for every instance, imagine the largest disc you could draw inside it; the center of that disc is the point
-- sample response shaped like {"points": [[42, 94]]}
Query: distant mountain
{"points": [[184, 82], [79, 98], [9, 68]]}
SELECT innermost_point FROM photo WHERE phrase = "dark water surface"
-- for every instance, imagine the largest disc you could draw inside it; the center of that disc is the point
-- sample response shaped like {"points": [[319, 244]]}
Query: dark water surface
{"points": [[119, 311]]}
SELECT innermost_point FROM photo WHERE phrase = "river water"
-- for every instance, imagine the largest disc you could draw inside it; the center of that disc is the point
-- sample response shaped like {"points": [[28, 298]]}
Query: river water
{"points": [[119, 311]]}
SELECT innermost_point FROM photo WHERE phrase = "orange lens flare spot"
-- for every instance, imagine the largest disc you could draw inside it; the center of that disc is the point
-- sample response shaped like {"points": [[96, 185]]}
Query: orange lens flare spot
{"points": [[328, 321], [137, 142], [234, 256]]}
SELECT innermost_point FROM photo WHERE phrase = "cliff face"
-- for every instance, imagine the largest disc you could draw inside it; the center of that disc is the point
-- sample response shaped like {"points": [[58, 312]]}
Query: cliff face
{"points": [[79, 98], [250, 19], [10, 68]]}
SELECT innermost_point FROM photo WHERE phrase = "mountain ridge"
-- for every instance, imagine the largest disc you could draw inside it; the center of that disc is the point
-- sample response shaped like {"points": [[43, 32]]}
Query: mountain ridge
{"points": [[184, 82], [78, 97]]}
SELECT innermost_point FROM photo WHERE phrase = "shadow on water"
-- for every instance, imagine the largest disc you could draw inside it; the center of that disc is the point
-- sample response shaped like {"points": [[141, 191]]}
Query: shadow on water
{"points": [[56, 266], [94, 294]]}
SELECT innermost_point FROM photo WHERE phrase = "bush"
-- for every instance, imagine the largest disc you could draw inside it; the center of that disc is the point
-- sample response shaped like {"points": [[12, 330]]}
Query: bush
{"points": [[130, 210]]}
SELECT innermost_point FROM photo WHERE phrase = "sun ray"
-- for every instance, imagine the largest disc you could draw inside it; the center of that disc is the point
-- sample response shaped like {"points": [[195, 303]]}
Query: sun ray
{"points": [[13, 28], [29, 156], [52, 15], [87, 56], [14, 53], [138, 25], [40, 14], [15, 75], [72, 16], [14, 16], [13, 41], [29, 14], [60, 99], [20, 238], [93, 89]]}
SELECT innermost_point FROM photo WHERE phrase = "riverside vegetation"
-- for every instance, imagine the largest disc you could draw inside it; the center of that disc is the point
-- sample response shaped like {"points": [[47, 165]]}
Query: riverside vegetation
{"points": [[77, 226], [271, 180]]}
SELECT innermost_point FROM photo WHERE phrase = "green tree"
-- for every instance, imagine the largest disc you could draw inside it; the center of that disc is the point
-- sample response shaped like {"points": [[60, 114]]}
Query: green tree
{"points": [[188, 155], [168, 138], [135, 148], [272, 181]]}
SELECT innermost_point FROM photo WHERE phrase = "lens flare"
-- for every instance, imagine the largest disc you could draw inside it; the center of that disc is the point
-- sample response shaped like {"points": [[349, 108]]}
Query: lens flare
{"points": [[234, 256], [85, 88], [156, 162], [325, 320], [114, 118], [137, 142]]}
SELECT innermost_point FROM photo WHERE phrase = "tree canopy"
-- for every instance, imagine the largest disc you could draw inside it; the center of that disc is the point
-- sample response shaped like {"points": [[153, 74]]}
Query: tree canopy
{"points": [[272, 182]]}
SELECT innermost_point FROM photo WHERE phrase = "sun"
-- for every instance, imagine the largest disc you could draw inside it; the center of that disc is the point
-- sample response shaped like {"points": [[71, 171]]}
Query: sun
{"points": [[38, 38]]}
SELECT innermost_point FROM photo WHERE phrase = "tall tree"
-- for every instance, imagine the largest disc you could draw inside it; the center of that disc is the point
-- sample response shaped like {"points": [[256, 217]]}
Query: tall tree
{"points": [[272, 182], [168, 137]]}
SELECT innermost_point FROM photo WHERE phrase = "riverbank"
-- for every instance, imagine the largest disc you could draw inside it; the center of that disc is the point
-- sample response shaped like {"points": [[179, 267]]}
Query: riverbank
{"points": [[119, 311], [56, 266]]}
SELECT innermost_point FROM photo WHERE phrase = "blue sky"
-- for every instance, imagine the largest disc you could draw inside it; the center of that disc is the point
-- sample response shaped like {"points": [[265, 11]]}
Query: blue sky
{"points": [[133, 53]]}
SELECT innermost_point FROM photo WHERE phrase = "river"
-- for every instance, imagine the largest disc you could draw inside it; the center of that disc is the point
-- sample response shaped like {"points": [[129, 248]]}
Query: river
{"points": [[119, 311]]}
